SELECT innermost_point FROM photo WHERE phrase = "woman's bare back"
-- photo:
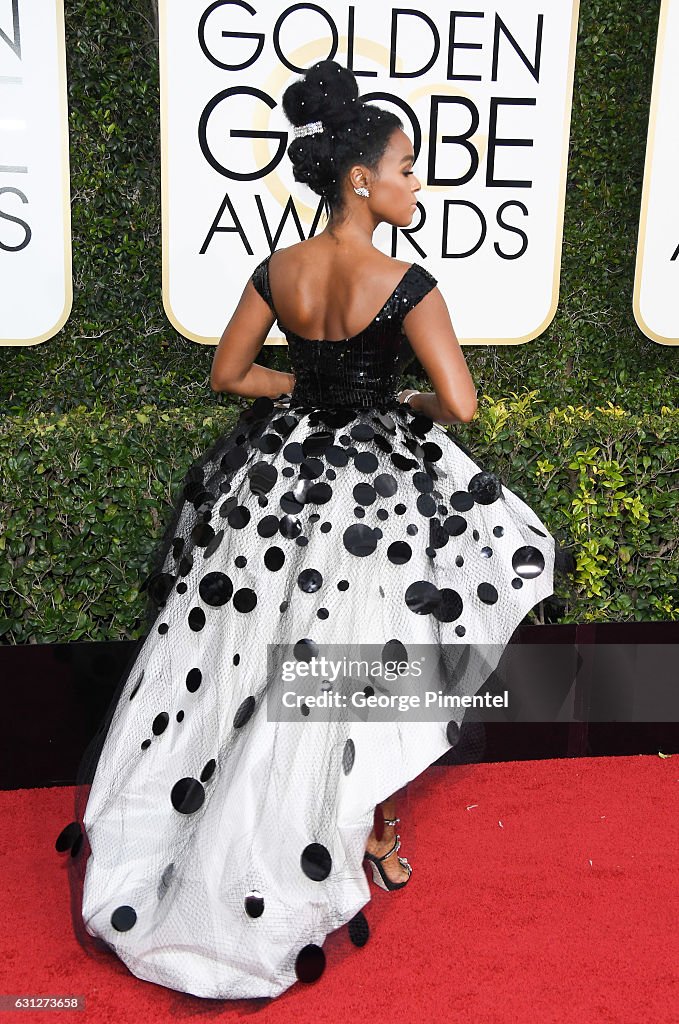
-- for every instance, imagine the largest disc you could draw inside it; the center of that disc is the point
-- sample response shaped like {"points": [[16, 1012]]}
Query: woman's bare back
{"points": [[328, 291]]}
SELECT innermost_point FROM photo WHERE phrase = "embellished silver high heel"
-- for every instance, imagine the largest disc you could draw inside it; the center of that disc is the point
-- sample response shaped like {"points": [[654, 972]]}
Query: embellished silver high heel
{"points": [[379, 876]]}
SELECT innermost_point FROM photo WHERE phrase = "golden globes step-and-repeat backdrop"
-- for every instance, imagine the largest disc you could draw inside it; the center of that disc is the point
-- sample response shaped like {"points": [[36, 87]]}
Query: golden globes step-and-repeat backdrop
{"points": [[656, 308], [485, 94], [35, 208]]}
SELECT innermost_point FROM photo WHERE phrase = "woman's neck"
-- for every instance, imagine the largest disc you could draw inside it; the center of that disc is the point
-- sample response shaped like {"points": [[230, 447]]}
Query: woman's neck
{"points": [[352, 232]]}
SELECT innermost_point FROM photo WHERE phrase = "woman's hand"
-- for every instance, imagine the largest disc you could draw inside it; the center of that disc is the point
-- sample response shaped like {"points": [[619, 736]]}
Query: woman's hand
{"points": [[406, 394], [426, 404]]}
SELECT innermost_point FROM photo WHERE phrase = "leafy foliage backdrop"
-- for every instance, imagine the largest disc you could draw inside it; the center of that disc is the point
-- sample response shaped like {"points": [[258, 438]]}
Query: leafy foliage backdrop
{"points": [[101, 422]]}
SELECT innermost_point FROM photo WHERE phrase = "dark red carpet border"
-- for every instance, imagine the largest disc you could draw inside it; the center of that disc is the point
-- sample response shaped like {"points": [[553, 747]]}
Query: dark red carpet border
{"points": [[542, 891]]}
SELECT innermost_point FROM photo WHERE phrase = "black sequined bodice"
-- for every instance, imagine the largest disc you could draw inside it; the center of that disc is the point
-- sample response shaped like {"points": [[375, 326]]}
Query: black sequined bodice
{"points": [[362, 371]]}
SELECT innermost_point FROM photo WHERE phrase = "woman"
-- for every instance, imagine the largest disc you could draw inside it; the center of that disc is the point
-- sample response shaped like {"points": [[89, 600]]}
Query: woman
{"points": [[336, 265], [227, 833]]}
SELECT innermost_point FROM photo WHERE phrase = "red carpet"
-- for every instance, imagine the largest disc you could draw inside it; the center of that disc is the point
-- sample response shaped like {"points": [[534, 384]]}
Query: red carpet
{"points": [[542, 891]]}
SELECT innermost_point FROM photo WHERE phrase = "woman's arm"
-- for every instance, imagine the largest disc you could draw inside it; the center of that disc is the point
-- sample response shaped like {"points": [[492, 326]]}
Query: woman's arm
{"points": [[426, 402], [433, 340], [233, 367]]}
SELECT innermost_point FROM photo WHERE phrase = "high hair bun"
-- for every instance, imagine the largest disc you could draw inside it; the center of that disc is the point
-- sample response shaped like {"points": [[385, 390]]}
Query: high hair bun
{"points": [[328, 93], [353, 131]]}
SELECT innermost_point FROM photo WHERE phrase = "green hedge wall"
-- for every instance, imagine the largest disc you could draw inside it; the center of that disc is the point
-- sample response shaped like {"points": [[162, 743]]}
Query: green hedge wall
{"points": [[85, 494], [588, 433]]}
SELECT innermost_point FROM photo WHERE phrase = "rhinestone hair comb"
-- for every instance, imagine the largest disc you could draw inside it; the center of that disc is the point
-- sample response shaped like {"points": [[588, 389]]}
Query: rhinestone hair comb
{"points": [[312, 128]]}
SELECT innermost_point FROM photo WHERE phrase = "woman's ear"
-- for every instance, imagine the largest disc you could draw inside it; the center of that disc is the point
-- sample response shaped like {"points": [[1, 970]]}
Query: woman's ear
{"points": [[359, 176]]}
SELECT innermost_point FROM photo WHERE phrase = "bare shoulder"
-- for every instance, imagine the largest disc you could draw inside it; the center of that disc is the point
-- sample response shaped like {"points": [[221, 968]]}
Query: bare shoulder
{"points": [[291, 258], [282, 255], [403, 265], [384, 271], [387, 264]]}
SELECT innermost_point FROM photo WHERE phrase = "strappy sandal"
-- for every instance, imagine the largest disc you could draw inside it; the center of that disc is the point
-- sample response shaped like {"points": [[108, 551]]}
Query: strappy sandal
{"points": [[379, 876]]}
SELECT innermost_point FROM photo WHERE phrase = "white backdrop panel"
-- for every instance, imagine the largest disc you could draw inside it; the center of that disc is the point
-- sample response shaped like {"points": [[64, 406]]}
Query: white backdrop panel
{"points": [[490, 221]]}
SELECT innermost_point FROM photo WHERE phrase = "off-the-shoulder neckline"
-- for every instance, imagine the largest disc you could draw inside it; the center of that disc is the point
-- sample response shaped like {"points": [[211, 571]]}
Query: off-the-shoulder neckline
{"points": [[336, 341]]}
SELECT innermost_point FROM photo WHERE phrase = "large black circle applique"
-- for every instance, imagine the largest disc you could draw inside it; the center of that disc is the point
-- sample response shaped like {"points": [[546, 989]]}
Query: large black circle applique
{"points": [[254, 904], [310, 963], [187, 796], [310, 580], [215, 588], [422, 597], [360, 540], [316, 861], [528, 562], [123, 918], [485, 487]]}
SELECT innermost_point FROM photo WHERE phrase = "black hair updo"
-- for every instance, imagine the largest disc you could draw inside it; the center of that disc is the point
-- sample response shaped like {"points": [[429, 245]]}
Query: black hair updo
{"points": [[353, 131]]}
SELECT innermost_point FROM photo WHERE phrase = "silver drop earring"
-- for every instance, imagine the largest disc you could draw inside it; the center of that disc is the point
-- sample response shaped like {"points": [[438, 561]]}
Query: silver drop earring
{"points": [[362, 191]]}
